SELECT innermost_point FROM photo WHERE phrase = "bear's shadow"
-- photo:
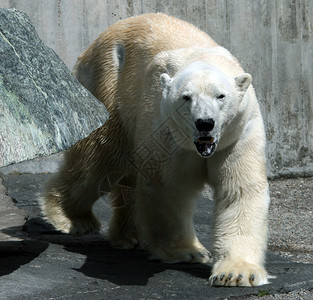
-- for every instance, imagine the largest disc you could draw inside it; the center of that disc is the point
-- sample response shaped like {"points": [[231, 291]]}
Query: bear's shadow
{"points": [[121, 267], [128, 267]]}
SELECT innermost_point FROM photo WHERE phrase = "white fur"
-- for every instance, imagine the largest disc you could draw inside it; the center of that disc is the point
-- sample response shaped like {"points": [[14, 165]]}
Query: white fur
{"points": [[156, 93]]}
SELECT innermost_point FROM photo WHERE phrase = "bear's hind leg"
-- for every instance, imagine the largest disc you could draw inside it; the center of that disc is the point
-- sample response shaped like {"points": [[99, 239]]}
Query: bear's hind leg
{"points": [[67, 205], [122, 231], [86, 173]]}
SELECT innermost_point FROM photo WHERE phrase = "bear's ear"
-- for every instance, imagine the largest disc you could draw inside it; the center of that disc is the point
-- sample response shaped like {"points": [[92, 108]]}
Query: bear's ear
{"points": [[243, 81], [165, 83]]}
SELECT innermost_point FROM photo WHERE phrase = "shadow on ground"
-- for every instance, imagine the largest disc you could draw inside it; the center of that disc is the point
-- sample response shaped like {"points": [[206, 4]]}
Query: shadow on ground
{"points": [[15, 254], [121, 267]]}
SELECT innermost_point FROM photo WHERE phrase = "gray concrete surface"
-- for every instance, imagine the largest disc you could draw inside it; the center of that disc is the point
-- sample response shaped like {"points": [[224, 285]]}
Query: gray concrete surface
{"points": [[46, 164], [272, 39], [39, 263]]}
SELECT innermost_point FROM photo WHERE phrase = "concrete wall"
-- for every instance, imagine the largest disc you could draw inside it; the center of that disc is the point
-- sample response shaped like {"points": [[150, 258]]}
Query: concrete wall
{"points": [[273, 39]]}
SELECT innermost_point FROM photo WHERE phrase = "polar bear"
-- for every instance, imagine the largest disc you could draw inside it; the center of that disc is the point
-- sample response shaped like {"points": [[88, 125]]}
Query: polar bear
{"points": [[183, 114]]}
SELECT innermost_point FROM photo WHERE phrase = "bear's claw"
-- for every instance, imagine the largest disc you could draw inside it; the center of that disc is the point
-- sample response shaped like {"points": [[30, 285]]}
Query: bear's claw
{"points": [[231, 273]]}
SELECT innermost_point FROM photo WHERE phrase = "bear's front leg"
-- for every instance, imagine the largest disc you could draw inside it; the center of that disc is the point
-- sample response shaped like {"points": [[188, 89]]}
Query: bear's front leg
{"points": [[240, 227], [164, 219]]}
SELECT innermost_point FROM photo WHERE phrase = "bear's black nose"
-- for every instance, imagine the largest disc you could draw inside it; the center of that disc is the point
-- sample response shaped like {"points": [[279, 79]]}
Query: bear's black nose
{"points": [[204, 124]]}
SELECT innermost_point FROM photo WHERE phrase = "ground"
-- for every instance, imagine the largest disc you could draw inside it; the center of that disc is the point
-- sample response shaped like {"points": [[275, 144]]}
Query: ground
{"points": [[40, 263]]}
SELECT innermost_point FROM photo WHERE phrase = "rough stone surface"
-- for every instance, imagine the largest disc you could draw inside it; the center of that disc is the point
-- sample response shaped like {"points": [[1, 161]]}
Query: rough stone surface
{"points": [[43, 109], [48, 265]]}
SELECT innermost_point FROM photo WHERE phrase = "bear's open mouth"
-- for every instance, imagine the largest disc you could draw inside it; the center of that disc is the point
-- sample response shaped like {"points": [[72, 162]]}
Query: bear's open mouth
{"points": [[206, 145]]}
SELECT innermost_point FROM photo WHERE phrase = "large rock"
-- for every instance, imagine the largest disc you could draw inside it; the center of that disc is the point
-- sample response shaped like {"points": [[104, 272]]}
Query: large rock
{"points": [[43, 109]]}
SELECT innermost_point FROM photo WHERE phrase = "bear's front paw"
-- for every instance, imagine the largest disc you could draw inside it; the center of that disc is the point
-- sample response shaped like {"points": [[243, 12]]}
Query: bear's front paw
{"points": [[177, 255], [237, 273]]}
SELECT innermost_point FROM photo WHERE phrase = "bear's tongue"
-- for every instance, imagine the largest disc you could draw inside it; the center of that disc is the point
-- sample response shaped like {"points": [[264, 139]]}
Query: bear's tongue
{"points": [[205, 146]]}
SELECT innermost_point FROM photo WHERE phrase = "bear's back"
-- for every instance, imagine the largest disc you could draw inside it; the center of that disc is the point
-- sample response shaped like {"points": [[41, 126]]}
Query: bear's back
{"points": [[158, 32], [115, 64]]}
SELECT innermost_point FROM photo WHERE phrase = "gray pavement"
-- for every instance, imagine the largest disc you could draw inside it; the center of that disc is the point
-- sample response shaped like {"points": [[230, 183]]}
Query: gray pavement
{"points": [[40, 263]]}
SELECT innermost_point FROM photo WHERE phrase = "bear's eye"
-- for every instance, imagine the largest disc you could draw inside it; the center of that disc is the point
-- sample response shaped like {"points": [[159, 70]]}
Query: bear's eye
{"points": [[221, 96], [186, 97]]}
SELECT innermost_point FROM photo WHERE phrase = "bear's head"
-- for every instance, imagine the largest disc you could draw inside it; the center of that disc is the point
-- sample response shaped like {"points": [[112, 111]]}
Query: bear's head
{"points": [[204, 107]]}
